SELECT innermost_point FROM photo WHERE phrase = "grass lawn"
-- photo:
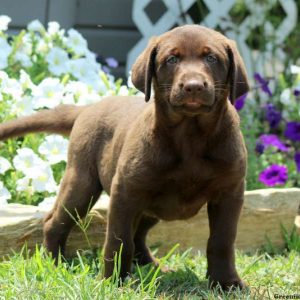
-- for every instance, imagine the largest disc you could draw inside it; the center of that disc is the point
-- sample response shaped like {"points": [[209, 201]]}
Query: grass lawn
{"points": [[35, 277]]}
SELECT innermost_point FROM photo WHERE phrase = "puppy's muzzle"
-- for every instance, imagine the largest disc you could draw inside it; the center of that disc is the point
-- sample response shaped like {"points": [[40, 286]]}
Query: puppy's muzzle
{"points": [[196, 93]]}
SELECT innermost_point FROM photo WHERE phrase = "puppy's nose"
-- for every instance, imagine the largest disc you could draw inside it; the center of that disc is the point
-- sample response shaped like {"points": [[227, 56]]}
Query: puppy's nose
{"points": [[194, 86]]}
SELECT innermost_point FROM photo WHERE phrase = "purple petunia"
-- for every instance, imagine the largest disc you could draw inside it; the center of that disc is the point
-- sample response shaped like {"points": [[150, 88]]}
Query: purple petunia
{"points": [[111, 62], [297, 161], [296, 92], [292, 131], [259, 148], [273, 116], [267, 140], [274, 175], [240, 102], [264, 84]]}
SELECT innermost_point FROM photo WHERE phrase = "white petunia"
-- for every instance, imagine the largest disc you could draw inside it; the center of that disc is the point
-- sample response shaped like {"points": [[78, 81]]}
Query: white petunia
{"points": [[4, 165], [23, 106], [36, 25], [26, 160], [4, 194], [4, 21], [54, 148], [5, 50], [77, 88], [83, 93], [25, 81], [68, 98], [129, 80], [295, 69], [3, 77], [57, 59], [23, 184], [12, 87], [47, 203], [76, 42], [54, 29], [286, 97], [42, 47], [123, 91], [42, 179], [24, 50], [48, 93], [83, 69]]}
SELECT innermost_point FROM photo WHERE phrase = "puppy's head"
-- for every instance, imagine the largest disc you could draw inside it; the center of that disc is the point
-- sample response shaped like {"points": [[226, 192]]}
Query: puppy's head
{"points": [[192, 68]]}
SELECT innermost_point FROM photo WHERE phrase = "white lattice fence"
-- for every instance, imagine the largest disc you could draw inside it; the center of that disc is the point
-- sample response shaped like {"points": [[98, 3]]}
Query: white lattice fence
{"points": [[266, 61]]}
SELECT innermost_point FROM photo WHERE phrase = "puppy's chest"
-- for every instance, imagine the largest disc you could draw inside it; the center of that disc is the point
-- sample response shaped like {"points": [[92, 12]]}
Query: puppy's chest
{"points": [[183, 190]]}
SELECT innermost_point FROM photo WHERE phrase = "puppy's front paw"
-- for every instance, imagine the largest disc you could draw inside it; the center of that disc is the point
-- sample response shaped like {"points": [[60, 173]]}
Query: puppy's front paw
{"points": [[232, 284]]}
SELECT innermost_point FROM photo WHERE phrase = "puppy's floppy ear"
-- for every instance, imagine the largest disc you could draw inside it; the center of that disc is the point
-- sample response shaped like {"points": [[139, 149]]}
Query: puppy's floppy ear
{"points": [[237, 74], [144, 69]]}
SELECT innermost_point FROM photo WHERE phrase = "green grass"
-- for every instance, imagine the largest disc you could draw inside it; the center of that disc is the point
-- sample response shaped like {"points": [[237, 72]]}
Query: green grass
{"points": [[35, 277]]}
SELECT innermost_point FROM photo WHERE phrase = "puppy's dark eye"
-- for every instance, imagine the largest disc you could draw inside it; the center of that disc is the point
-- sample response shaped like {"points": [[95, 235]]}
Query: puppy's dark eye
{"points": [[211, 58], [172, 59]]}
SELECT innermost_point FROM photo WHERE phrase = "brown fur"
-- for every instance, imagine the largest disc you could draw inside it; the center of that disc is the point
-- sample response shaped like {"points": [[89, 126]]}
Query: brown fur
{"points": [[163, 159]]}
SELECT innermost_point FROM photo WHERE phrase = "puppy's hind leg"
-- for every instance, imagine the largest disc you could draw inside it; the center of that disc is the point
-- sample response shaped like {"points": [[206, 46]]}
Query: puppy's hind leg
{"points": [[142, 253], [79, 191]]}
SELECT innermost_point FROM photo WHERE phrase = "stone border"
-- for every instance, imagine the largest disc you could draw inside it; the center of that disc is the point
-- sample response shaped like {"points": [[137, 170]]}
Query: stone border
{"points": [[263, 212]]}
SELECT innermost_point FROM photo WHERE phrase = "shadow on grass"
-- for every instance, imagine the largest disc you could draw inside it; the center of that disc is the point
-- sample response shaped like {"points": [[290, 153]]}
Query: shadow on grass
{"points": [[181, 283]]}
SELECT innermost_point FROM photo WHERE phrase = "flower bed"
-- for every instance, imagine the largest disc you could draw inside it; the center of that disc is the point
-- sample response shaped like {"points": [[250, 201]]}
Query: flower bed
{"points": [[270, 120], [42, 68]]}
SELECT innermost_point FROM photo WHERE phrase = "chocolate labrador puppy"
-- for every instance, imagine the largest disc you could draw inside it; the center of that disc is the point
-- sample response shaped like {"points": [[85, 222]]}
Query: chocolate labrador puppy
{"points": [[163, 159]]}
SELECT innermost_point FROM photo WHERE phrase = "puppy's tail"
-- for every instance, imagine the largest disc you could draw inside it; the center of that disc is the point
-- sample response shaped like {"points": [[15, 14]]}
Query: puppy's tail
{"points": [[57, 120]]}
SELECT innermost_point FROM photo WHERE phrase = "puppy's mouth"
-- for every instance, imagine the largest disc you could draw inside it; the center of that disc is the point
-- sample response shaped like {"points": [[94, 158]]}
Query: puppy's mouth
{"points": [[193, 106]]}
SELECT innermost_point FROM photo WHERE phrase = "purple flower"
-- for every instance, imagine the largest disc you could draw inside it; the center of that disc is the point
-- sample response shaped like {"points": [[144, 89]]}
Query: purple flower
{"points": [[111, 62], [268, 140], [292, 131], [264, 84], [240, 102], [273, 116], [274, 175], [296, 92], [297, 160], [259, 148]]}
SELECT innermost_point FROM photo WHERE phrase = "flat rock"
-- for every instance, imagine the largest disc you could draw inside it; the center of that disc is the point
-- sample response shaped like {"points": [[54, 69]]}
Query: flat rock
{"points": [[263, 213]]}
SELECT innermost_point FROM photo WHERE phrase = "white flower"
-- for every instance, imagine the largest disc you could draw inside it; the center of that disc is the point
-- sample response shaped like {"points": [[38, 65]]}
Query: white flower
{"points": [[77, 88], [295, 69], [3, 77], [57, 59], [123, 91], [83, 69], [12, 87], [4, 194], [68, 99], [42, 179], [26, 160], [129, 80], [23, 106], [76, 42], [54, 28], [4, 165], [5, 50], [4, 21], [36, 25], [83, 93], [286, 97], [25, 81], [42, 47], [23, 184], [48, 93], [47, 203], [54, 148], [24, 50]]}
